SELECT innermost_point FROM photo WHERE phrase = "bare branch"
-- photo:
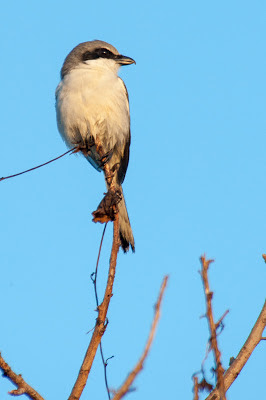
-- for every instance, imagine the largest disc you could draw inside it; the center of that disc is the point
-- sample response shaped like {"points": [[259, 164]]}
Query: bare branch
{"points": [[196, 388], [252, 341], [124, 389], [94, 280], [101, 320], [212, 327], [23, 387]]}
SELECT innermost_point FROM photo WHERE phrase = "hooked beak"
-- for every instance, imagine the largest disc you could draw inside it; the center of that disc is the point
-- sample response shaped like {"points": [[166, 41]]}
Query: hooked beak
{"points": [[124, 60]]}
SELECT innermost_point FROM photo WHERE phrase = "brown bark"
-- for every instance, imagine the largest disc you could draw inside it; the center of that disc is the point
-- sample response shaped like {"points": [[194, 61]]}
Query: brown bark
{"points": [[23, 387], [212, 327], [101, 320], [252, 341]]}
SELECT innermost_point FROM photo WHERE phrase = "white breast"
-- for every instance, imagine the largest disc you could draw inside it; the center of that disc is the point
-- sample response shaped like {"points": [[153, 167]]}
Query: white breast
{"points": [[93, 101]]}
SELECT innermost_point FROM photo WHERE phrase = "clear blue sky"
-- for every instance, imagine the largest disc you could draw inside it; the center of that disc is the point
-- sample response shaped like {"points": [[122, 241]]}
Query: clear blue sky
{"points": [[196, 183]]}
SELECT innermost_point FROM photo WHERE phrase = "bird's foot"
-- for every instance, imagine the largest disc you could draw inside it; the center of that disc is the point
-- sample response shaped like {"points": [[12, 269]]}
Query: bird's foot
{"points": [[84, 146], [107, 208], [105, 158]]}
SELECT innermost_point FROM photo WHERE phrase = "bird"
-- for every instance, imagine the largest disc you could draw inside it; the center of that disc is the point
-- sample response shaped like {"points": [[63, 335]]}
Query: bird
{"points": [[92, 106]]}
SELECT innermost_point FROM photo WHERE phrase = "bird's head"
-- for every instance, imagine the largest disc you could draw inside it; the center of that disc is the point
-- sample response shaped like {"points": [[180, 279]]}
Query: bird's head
{"points": [[94, 54]]}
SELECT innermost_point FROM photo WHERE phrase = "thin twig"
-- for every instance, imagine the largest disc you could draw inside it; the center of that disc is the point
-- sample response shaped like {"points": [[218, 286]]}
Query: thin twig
{"points": [[38, 166], [94, 275], [23, 387], [207, 352], [105, 370], [221, 319], [252, 341], [124, 389], [101, 320], [212, 327]]}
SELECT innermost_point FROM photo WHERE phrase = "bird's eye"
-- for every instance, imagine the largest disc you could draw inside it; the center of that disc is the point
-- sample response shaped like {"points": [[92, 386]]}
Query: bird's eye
{"points": [[104, 53], [97, 53]]}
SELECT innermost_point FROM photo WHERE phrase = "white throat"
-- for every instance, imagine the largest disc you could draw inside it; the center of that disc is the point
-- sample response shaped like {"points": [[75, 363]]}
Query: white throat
{"points": [[93, 99], [102, 65]]}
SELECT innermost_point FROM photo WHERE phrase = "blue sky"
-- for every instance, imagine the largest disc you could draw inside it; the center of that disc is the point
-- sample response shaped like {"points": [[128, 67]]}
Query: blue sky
{"points": [[195, 184]]}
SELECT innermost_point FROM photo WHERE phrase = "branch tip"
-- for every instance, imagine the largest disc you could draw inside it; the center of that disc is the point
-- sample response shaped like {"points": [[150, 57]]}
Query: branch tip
{"points": [[213, 343]]}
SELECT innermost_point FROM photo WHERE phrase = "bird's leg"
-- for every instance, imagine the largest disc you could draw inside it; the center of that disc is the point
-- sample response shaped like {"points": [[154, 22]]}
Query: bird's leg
{"points": [[108, 207], [105, 158], [109, 175]]}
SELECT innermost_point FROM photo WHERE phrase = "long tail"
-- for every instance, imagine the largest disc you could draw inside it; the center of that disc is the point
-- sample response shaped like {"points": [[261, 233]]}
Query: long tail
{"points": [[126, 234]]}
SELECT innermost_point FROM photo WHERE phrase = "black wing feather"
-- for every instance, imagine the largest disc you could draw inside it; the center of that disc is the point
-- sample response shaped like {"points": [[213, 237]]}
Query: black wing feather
{"points": [[125, 156]]}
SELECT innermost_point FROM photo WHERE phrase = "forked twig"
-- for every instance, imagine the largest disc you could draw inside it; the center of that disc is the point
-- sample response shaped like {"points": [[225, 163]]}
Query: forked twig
{"points": [[124, 389], [212, 327]]}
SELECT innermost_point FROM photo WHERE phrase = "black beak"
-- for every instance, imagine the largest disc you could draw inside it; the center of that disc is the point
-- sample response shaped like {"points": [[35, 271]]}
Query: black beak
{"points": [[124, 60]]}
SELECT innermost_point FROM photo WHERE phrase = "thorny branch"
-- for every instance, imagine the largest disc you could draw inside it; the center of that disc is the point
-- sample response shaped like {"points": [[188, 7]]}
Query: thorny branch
{"points": [[212, 327], [23, 387], [124, 389]]}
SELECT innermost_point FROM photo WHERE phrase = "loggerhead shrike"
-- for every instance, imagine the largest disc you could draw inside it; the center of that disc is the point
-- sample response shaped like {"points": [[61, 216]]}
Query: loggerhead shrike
{"points": [[92, 104]]}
